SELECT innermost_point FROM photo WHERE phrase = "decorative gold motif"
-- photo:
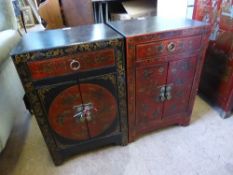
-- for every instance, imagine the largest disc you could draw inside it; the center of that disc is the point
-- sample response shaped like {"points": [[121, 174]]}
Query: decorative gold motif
{"points": [[110, 77], [34, 95], [42, 92], [21, 58]]}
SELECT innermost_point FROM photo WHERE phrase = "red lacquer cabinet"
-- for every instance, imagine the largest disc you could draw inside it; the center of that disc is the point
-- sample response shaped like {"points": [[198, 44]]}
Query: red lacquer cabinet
{"points": [[217, 78], [164, 59], [75, 81]]}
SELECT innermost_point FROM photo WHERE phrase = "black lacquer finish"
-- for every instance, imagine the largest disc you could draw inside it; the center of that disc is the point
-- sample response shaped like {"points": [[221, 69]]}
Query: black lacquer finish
{"points": [[152, 25], [53, 39], [56, 89]]}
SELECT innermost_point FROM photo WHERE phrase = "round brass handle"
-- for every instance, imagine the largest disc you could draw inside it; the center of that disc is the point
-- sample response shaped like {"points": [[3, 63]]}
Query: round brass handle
{"points": [[74, 65], [171, 47]]}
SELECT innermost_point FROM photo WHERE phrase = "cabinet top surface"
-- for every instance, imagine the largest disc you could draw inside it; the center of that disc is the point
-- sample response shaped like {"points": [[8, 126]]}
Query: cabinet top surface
{"points": [[52, 39], [153, 25]]}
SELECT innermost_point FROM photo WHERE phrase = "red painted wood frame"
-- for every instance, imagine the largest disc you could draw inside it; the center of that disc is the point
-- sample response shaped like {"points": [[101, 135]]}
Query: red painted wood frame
{"points": [[152, 66]]}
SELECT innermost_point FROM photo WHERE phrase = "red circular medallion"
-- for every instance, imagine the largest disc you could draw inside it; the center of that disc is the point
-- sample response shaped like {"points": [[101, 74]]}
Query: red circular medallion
{"points": [[79, 116]]}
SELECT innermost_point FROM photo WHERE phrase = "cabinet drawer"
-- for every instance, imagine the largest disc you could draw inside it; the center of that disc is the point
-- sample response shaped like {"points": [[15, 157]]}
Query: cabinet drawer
{"points": [[167, 47], [71, 64]]}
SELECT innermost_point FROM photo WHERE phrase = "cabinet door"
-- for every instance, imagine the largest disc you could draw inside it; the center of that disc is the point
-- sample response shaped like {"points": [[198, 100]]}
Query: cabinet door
{"points": [[150, 81], [179, 84], [100, 99], [83, 110], [61, 103]]}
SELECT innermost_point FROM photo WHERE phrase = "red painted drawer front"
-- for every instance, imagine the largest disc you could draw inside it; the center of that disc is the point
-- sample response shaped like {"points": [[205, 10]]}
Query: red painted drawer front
{"points": [[166, 47], [149, 81], [71, 64], [65, 121], [180, 78]]}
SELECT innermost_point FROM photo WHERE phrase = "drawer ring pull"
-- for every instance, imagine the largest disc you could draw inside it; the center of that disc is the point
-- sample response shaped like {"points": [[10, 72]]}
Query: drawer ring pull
{"points": [[74, 65], [171, 47]]}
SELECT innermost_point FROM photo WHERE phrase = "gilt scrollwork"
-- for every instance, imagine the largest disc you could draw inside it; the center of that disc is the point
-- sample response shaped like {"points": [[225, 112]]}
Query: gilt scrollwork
{"points": [[42, 92]]}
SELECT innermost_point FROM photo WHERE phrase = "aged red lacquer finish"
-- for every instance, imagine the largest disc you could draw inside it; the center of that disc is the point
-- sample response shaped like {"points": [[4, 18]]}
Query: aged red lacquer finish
{"points": [[164, 61], [62, 66], [217, 77], [65, 115]]}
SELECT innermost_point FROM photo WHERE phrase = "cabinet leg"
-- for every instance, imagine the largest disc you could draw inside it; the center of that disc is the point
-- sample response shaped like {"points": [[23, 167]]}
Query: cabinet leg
{"points": [[58, 162], [124, 141], [57, 159], [185, 122], [225, 114]]}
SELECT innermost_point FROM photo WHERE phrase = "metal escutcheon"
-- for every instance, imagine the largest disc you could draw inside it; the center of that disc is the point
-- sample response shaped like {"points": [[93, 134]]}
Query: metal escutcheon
{"points": [[74, 65], [168, 88], [168, 96], [171, 47], [162, 98], [162, 89]]}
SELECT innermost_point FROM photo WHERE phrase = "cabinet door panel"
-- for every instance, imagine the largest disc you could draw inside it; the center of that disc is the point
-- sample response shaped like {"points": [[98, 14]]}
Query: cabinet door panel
{"points": [[60, 102], [180, 79], [149, 81], [99, 93], [103, 106]]}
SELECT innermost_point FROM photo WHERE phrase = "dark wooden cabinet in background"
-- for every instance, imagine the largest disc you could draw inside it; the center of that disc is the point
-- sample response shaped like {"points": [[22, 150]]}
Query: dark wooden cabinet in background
{"points": [[164, 58], [75, 82]]}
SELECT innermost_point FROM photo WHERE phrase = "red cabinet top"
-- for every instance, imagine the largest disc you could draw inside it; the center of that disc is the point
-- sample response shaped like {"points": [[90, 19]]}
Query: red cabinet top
{"points": [[153, 25]]}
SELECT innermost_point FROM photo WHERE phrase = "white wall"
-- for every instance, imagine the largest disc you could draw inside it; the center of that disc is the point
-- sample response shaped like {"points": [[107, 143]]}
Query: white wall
{"points": [[175, 8]]}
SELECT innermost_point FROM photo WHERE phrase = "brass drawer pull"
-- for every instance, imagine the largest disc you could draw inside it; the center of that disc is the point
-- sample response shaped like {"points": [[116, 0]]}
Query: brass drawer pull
{"points": [[162, 97], [165, 92], [168, 92], [168, 95], [171, 47], [74, 65]]}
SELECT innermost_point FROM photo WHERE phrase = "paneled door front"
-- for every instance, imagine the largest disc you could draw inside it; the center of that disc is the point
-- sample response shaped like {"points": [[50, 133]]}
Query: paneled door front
{"points": [[179, 85], [150, 81], [163, 89], [83, 109]]}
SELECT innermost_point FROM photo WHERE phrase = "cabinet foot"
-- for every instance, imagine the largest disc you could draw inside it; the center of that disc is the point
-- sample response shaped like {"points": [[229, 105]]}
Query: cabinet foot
{"points": [[124, 141], [224, 114], [185, 123], [57, 159]]}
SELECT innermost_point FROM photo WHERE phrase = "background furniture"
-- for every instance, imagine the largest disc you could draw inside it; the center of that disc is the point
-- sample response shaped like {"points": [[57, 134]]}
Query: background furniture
{"points": [[50, 12], [75, 82], [101, 9], [217, 77], [66, 13], [164, 60], [77, 12], [11, 90]]}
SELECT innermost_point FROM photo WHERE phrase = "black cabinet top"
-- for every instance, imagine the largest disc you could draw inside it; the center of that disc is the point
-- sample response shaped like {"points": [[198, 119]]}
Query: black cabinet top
{"points": [[152, 25], [51, 39]]}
